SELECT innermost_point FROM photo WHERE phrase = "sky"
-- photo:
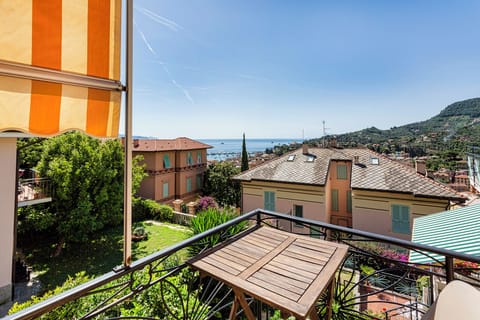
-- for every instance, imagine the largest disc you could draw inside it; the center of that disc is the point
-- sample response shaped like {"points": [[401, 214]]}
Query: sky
{"points": [[290, 68]]}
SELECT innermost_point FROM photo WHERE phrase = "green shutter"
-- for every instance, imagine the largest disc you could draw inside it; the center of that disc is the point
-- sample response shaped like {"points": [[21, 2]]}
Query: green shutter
{"points": [[349, 201], [298, 212], [199, 157], [189, 184], [189, 158], [269, 200], [165, 189], [334, 200], [315, 232], [400, 219], [166, 161], [199, 181], [341, 172]]}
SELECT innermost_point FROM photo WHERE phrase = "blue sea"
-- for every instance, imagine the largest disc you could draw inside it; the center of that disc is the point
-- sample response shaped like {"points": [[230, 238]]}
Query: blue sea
{"points": [[230, 148]]}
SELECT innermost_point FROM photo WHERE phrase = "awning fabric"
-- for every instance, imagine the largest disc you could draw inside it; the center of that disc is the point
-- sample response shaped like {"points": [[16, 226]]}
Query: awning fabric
{"points": [[457, 230], [75, 39]]}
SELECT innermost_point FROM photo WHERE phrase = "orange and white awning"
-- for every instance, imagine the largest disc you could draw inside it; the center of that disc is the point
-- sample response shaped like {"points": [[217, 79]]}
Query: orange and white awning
{"points": [[60, 66]]}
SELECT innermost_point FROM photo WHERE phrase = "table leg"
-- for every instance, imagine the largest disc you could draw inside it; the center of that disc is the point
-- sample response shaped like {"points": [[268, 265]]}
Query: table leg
{"points": [[243, 302], [234, 309], [330, 298]]}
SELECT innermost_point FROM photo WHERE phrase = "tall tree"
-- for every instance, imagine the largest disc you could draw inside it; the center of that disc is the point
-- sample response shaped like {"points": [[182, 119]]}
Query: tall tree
{"points": [[244, 155], [218, 183], [87, 179]]}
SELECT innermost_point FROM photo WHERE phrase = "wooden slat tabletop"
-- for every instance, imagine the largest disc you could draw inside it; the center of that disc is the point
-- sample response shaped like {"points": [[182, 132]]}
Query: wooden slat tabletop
{"points": [[285, 270]]}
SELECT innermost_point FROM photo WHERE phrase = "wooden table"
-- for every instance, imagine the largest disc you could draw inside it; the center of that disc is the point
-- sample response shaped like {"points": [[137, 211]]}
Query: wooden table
{"points": [[284, 270]]}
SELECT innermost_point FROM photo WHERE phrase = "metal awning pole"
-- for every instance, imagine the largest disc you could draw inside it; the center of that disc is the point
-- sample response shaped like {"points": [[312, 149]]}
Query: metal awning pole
{"points": [[127, 192]]}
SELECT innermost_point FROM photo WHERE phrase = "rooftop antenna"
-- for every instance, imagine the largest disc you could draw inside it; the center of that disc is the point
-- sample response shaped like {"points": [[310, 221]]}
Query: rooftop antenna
{"points": [[324, 133]]}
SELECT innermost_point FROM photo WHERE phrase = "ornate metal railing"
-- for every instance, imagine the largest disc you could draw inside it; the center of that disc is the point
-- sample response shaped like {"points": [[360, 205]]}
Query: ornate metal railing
{"points": [[33, 190], [376, 280]]}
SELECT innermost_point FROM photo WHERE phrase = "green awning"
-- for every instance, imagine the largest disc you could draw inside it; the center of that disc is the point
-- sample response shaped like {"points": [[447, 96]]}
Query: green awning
{"points": [[457, 230]]}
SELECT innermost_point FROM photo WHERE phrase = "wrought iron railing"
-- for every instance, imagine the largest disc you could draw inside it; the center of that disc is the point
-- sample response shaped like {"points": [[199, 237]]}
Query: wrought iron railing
{"points": [[376, 281]]}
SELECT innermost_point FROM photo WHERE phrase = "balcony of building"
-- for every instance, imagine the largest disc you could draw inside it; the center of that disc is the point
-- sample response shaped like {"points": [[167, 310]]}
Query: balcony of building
{"points": [[376, 278], [33, 191]]}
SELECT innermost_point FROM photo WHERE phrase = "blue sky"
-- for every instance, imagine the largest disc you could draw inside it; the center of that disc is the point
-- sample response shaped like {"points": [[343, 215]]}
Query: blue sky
{"points": [[275, 69]]}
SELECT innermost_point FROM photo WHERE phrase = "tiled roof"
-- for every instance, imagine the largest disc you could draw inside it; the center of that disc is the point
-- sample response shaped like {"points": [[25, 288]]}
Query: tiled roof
{"points": [[181, 143], [387, 175]]}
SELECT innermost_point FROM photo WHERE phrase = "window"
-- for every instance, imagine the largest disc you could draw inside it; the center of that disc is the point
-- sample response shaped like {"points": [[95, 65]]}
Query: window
{"points": [[269, 200], [310, 158], [199, 157], [189, 158], [291, 158], [166, 161], [298, 212], [199, 181], [374, 160], [341, 172], [400, 219], [189, 184], [334, 200], [349, 201], [165, 189]]}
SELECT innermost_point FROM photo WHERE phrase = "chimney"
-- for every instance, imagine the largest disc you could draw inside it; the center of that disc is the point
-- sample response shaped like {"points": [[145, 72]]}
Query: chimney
{"points": [[136, 143], [305, 148], [421, 167], [356, 159]]}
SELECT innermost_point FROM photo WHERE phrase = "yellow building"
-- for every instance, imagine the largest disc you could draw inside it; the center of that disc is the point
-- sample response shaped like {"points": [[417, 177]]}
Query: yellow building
{"points": [[355, 188]]}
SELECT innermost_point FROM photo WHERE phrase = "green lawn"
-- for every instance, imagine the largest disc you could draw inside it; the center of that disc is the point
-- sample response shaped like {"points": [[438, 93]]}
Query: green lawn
{"points": [[100, 255]]}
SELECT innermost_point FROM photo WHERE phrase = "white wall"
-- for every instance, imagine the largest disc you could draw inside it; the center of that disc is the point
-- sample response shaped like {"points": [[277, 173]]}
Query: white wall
{"points": [[7, 213]]}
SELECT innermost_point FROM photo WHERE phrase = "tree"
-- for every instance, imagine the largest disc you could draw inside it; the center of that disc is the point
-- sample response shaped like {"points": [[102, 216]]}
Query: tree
{"points": [[219, 183], [244, 155], [87, 181]]}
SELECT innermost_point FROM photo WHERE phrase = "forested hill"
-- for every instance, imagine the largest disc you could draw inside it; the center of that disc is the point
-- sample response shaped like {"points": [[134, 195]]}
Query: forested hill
{"points": [[454, 128]]}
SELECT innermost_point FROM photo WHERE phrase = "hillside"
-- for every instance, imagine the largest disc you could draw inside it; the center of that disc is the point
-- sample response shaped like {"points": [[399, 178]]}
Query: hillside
{"points": [[453, 129]]}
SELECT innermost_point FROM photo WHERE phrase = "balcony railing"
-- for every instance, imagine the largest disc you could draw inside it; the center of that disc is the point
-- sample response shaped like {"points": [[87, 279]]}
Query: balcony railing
{"points": [[34, 191], [375, 281]]}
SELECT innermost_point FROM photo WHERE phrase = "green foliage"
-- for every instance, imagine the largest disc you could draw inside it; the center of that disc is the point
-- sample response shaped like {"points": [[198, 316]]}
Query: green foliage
{"points": [[29, 151], [87, 179], [219, 183], [210, 218], [150, 209], [174, 292], [244, 155], [68, 311], [34, 219]]}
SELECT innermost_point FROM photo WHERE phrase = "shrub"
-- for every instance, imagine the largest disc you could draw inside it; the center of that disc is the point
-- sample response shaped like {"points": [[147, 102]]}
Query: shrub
{"points": [[144, 209], [210, 218], [205, 202]]}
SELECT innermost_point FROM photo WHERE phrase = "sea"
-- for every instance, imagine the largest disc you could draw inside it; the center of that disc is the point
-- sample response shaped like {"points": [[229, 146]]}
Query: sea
{"points": [[231, 148]]}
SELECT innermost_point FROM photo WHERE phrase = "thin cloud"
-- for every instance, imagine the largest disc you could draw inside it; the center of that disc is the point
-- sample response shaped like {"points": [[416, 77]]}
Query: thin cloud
{"points": [[142, 35], [185, 92], [172, 25]]}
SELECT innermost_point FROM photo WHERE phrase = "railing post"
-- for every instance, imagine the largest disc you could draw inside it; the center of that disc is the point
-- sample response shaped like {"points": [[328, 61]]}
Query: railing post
{"points": [[449, 269], [259, 220]]}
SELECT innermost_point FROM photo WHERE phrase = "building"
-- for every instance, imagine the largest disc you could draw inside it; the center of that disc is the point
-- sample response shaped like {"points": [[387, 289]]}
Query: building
{"points": [[349, 187], [175, 167]]}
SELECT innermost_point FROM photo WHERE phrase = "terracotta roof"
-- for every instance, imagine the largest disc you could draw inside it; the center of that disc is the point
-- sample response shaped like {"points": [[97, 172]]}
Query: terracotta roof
{"points": [[372, 172], [181, 143]]}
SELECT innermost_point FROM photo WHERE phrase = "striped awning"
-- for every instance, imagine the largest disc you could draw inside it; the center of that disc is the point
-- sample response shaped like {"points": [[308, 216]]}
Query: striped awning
{"points": [[60, 66], [457, 230]]}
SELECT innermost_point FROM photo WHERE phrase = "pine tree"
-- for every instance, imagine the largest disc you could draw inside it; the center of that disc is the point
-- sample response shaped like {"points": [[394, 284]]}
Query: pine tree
{"points": [[244, 155]]}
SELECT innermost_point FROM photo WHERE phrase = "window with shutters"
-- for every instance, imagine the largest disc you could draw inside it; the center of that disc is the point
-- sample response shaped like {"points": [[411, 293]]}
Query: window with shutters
{"points": [[334, 200], [166, 161], [189, 158], [400, 219], [189, 184], [298, 212], [165, 189], [341, 172], [269, 200], [199, 157], [199, 181]]}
